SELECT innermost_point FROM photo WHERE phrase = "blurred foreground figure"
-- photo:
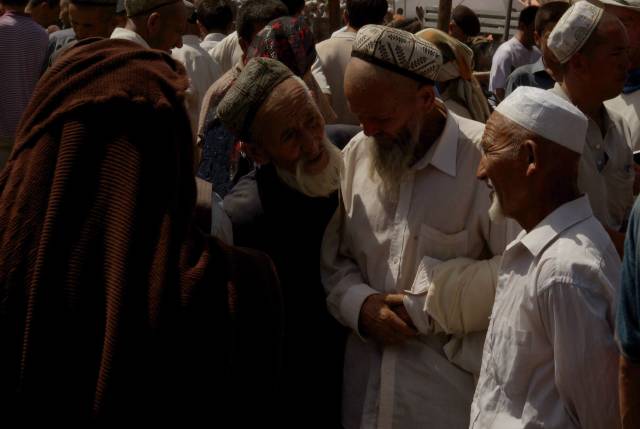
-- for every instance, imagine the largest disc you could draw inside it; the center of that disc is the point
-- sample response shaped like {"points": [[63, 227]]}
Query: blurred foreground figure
{"points": [[112, 306]]}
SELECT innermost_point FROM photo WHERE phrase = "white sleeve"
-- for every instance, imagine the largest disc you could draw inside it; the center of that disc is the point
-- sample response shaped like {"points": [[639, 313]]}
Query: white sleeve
{"points": [[579, 326], [318, 74], [346, 289], [500, 69]]}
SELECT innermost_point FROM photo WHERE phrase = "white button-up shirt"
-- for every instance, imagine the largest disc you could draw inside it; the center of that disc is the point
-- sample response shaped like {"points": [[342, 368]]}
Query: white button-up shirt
{"points": [[375, 245], [550, 360], [210, 41], [202, 70], [606, 172], [227, 52], [508, 57], [628, 106], [126, 34]]}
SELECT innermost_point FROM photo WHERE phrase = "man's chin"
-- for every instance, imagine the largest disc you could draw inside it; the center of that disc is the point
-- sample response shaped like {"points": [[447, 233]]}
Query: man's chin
{"points": [[316, 166]]}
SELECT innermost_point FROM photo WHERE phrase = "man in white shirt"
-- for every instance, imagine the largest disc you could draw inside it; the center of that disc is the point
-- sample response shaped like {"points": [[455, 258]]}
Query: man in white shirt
{"points": [[203, 71], [215, 19], [550, 358], [515, 52], [334, 54], [590, 47], [154, 24], [627, 104], [397, 221]]}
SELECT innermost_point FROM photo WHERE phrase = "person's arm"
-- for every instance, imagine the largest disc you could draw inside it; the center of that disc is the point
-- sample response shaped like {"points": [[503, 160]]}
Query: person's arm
{"points": [[579, 327], [350, 299], [500, 70]]}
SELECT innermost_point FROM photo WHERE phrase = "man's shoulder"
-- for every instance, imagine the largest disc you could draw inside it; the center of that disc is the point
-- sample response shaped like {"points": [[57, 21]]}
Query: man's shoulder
{"points": [[242, 204], [356, 147], [470, 131]]}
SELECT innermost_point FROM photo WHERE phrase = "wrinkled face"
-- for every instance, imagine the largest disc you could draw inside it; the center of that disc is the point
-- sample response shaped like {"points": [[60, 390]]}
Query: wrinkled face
{"points": [[610, 59], [167, 27], [501, 167], [290, 129], [91, 20], [631, 21]]}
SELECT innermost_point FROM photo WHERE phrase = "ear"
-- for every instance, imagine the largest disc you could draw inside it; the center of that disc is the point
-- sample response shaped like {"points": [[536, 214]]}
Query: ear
{"points": [[256, 152], [153, 23], [532, 153], [426, 97]]}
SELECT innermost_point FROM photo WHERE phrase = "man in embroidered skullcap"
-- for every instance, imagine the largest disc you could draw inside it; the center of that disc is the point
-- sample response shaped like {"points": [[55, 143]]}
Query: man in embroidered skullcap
{"points": [[283, 208], [627, 104], [590, 47], [550, 358], [409, 205]]}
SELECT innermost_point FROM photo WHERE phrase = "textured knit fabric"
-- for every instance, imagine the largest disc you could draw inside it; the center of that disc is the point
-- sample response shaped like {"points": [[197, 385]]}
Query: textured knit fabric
{"points": [[113, 308]]}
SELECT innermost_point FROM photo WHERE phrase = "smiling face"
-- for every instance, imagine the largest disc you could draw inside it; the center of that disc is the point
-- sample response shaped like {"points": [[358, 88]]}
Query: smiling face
{"points": [[503, 166], [289, 130]]}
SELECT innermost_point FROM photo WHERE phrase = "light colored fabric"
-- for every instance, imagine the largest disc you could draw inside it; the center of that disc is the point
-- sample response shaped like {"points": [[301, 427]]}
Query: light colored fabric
{"points": [[375, 245], [628, 106], [606, 172], [573, 29], [461, 85], [123, 33], [227, 52], [338, 31], [508, 57], [202, 70], [210, 41], [399, 51], [627, 4], [333, 56], [547, 115], [454, 106], [550, 359]]}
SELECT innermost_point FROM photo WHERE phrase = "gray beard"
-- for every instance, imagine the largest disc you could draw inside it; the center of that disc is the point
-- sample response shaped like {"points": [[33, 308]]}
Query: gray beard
{"points": [[495, 211], [393, 157], [322, 184]]}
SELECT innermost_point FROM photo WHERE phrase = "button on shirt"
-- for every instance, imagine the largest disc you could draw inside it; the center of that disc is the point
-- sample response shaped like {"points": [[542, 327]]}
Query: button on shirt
{"points": [[374, 244], [606, 171], [550, 359], [508, 57]]}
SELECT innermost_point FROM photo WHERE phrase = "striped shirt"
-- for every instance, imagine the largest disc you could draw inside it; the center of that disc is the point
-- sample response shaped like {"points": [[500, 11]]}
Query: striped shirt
{"points": [[22, 60]]}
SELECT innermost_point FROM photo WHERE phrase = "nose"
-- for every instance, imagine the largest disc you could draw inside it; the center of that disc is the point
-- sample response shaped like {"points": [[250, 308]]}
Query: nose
{"points": [[310, 145], [481, 172]]}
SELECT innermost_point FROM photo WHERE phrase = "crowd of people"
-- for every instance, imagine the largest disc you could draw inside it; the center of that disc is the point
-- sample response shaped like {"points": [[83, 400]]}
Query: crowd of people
{"points": [[210, 217]]}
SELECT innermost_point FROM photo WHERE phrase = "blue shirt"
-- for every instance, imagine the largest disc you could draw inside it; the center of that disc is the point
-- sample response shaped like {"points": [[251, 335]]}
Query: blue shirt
{"points": [[530, 75], [628, 317]]}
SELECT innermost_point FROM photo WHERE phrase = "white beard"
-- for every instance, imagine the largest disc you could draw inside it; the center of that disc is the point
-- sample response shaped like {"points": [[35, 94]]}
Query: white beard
{"points": [[495, 211], [322, 184], [392, 157]]}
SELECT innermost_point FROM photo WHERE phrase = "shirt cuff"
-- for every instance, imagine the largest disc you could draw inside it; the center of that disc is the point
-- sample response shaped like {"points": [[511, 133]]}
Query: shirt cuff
{"points": [[414, 304], [352, 304]]}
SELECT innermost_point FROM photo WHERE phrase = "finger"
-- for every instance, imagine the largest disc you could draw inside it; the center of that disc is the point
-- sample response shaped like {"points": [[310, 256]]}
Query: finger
{"points": [[393, 299], [397, 325], [403, 314]]}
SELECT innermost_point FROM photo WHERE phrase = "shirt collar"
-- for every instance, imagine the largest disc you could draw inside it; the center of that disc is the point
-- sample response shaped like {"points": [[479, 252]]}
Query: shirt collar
{"points": [[344, 35], [191, 40], [214, 37], [554, 224], [444, 152], [123, 33]]}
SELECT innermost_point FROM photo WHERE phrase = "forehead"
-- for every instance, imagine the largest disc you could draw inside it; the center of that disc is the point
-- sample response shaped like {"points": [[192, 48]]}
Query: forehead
{"points": [[496, 132], [288, 100]]}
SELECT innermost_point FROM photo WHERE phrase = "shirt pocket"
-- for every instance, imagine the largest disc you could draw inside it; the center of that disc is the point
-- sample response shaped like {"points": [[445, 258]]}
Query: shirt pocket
{"points": [[441, 246]]}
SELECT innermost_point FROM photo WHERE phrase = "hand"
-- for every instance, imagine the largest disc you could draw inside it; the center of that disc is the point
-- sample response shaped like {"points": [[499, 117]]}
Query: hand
{"points": [[379, 321], [394, 301]]}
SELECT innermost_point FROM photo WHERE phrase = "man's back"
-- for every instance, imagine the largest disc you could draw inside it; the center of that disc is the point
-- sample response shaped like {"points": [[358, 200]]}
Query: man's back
{"points": [[334, 54], [22, 60]]}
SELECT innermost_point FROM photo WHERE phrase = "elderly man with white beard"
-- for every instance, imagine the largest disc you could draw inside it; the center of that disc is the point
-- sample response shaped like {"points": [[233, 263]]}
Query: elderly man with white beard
{"points": [[282, 208], [407, 259]]}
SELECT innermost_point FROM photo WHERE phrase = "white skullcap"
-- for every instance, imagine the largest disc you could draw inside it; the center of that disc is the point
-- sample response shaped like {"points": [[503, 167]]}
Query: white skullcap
{"points": [[547, 115], [573, 29]]}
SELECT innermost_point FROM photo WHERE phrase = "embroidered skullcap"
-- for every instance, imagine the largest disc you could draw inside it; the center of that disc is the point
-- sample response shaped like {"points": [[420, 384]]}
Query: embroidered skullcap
{"points": [[253, 86], [627, 4], [288, 40], [573, 29], [547, 115], [398, 51]]}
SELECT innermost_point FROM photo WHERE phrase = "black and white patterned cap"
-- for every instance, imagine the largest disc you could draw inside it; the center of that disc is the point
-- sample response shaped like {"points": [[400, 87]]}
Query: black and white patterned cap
{"points": [[399, 51]]}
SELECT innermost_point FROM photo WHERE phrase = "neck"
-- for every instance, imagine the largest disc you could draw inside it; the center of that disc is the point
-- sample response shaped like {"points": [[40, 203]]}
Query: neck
{"points": [[521, 38], [583, 99], [351, 29], [532, 216], [433, 125]]}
